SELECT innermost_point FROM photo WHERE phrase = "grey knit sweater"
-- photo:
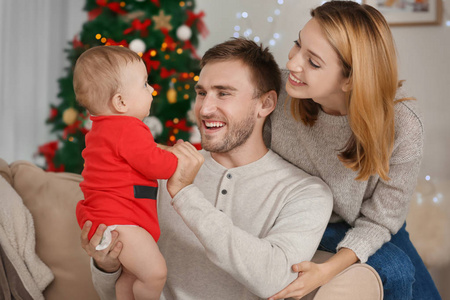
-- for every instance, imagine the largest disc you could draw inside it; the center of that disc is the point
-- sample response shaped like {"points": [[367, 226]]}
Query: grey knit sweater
{"points": [[374, 208]]}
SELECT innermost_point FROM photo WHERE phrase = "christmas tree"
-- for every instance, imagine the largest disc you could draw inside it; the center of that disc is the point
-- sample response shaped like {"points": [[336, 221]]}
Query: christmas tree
{"points": [[165, 34]]}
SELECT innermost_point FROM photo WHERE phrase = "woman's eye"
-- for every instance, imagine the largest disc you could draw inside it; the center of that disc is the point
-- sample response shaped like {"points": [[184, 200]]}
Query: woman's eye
{"points": [[313, 64], [297, 44]]}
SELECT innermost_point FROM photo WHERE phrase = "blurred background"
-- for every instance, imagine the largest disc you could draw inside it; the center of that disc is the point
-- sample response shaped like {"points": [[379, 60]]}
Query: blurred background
{"points": [[34, 52]]}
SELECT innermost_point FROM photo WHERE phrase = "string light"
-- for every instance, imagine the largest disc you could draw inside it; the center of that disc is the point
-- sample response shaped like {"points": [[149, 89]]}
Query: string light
{"points": [[247, 31]]}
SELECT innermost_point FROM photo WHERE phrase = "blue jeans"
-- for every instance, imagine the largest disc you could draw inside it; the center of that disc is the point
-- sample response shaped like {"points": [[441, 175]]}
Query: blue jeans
{"points": [[400, 267]]}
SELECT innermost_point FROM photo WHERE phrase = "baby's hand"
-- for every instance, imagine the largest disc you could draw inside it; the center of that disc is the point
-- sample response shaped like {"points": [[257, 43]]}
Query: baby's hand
{"points": [[165, 147], [189, 163]]}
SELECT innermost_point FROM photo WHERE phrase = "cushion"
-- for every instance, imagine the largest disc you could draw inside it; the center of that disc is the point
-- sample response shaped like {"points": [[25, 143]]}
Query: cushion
{"points": [[359, 281], [51, 199]]}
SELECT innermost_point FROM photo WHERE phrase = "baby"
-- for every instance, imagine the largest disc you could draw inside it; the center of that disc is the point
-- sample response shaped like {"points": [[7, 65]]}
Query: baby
{"points": [[122, 165]]}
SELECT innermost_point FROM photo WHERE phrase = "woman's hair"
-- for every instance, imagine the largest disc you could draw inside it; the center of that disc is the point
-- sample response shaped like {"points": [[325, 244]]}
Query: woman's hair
{"points": [[97, 75], [364, 44], [264, 70]]}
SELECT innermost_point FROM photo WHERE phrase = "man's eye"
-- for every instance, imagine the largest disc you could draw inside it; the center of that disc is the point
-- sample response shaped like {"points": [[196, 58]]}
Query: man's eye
{"points": [[222, 94]]}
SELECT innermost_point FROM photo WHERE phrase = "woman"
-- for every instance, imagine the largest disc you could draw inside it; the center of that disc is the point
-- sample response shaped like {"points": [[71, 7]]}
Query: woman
{"points": [[341, 123]]}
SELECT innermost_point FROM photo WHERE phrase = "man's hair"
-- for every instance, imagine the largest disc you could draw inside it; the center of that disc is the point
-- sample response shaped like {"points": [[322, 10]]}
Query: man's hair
{"points": [[265, 72], [97, 75]]}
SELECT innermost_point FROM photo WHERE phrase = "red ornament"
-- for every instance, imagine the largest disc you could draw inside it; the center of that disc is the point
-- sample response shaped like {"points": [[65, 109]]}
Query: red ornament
{"points": [[53, 114]]}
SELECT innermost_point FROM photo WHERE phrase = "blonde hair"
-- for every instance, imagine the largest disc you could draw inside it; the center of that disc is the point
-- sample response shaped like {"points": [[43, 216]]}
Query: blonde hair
{"points": [[363, 41], [97, 75]]}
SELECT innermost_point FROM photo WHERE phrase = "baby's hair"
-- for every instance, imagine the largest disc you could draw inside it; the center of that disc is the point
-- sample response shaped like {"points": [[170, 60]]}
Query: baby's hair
{"points": [[97, 75]]}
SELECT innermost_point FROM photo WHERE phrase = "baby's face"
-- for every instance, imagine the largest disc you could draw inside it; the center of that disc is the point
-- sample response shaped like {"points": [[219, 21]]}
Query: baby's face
{"points": [[136, 90]]}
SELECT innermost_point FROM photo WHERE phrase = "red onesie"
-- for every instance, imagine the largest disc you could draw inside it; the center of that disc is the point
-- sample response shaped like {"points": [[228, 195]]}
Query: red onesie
{"points": [[122, 163]]}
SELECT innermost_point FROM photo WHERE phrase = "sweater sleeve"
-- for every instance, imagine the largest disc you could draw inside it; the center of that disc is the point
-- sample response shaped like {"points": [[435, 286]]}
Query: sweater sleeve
{"points": [[262, 264], [139, 149], [104, 283], [385, 211]]}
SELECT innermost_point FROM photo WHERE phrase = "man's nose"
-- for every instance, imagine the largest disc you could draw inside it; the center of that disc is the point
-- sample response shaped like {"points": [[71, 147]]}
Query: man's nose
{"points": [[209, 105]]}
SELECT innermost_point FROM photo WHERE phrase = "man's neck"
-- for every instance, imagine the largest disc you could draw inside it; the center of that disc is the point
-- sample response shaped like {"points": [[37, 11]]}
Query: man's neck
{"points": [[242, 155]]}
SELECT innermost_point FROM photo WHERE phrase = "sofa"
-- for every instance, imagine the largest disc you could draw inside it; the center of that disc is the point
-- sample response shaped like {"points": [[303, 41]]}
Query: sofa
{"points": [[50, 200]]}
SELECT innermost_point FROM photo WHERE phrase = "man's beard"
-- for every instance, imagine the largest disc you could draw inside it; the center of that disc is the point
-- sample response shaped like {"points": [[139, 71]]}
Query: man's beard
{"points": [[235, 137]]}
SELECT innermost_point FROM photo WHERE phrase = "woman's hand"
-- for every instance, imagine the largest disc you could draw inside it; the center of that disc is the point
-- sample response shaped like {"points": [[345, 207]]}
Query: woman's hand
{"points": [[310, 277], [106, 260]]}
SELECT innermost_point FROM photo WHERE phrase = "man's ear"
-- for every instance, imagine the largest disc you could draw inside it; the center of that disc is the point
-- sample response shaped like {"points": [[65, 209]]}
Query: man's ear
{"points": [[268, 103], [119, 104]]}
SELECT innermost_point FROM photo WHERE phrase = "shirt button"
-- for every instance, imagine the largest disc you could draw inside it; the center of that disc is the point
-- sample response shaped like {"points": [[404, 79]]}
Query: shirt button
{"points": [[229, 176], [224, 192]]}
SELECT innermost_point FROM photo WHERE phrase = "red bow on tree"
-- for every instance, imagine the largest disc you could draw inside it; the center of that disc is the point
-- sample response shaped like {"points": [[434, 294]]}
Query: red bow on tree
{"points": [[111, 42], [48, 151], [76, 43], [168, 39], [165, 73], [188, 45], [137, 25], [114, 6], [150, 63], [180, 125], [192, 17]]}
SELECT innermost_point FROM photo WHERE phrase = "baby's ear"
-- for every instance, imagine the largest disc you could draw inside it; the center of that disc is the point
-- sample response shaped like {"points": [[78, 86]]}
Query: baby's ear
{"points": [[119, 104]]}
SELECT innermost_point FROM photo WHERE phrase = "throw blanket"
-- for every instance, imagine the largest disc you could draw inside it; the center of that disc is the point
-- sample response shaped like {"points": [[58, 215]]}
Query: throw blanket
{"points": [[23, 274]]}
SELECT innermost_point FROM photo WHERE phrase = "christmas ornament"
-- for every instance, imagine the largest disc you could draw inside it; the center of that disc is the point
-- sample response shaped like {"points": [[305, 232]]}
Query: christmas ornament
{"points": [[87, 124], [69, 116], [155, 125], [172, 95], [138, 46], [184, 33], [162, 21]]}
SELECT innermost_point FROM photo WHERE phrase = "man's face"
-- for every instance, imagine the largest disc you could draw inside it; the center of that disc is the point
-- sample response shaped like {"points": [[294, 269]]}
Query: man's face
{"points": [[225, 105]]}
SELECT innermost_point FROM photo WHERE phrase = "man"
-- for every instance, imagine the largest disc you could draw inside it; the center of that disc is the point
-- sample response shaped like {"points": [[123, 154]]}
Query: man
{"points": [[235, 230]]}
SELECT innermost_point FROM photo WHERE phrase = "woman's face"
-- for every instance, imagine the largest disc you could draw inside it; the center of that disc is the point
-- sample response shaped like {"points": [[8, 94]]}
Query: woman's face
{"points": [[316, 71]]}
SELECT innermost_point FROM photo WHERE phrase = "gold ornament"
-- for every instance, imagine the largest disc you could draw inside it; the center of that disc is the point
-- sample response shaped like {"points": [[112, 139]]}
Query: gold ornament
{"points": [[70, 116], [162, 21], [172, 95]]}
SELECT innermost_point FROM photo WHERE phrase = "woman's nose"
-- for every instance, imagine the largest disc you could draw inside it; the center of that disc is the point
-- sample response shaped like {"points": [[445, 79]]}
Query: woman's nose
{"points": [[295, 62]]}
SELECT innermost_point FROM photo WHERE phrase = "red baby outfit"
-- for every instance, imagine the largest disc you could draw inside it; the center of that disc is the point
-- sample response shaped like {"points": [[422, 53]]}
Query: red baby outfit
{"points": [[122, 163]]}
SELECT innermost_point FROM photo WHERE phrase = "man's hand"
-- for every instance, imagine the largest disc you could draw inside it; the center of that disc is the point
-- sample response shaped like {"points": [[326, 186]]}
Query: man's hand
{"points": [[106, 260], [189, 163]]}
